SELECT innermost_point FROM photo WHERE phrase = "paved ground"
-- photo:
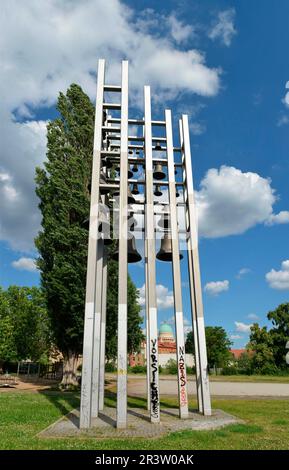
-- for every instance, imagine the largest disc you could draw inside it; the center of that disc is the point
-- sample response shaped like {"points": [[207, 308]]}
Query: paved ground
{"points": [[168, 386], [139, 424]]}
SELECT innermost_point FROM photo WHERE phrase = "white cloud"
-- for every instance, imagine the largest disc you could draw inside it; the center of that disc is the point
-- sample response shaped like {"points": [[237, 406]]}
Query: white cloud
{"points": [[280, 218], [242, 327], [45, 46], [253, 316], [22, 148], [25, 264], [279, 279], [179, 31], [216, 287], [197, 128], [224, 28], [165, 297], [236, 337], [230, 202], [283, 120], [242, 272], [286, 97]]}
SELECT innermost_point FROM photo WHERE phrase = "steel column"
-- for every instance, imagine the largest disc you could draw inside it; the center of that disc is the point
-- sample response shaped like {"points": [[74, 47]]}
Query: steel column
{"points": [[86, 381], [151, 260], [195, 276], [179, 320], [190, 270], [102, 332], [97, 331], [122, 261]]}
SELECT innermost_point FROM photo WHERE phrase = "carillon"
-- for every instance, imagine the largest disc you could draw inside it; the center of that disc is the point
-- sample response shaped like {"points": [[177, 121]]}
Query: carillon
{"points": [[112, 201]]}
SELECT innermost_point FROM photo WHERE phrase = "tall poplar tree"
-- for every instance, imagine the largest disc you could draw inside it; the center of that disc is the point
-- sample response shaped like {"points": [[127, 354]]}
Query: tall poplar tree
{"points": [[62, 187]]}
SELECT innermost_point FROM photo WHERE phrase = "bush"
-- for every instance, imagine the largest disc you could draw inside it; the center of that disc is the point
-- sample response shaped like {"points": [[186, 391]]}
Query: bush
{"points": [[230, 370], [137, 369], [110, 367], [171, 367], [161, 369]]}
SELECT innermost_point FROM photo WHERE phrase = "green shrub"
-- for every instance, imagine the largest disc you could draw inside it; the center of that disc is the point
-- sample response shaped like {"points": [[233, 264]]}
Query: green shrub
{"points": [[110, 367], [137, 369], [171, 367], [230, 370]]}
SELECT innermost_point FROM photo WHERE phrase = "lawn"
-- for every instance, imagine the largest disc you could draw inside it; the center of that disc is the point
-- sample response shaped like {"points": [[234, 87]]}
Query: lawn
{"points": [[24, 414], [281, 379]]}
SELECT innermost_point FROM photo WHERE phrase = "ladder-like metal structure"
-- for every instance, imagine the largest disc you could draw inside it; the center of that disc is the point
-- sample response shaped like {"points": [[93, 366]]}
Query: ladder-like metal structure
{"points": [[112, 144]]}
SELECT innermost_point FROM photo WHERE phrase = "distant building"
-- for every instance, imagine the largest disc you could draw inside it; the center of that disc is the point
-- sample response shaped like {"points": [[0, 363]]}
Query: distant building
{"points": [[167, 349], [237, 353]]}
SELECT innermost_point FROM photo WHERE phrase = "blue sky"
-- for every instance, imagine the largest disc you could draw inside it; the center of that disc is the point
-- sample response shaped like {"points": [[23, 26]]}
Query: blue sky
{"points": [[239, 126]]}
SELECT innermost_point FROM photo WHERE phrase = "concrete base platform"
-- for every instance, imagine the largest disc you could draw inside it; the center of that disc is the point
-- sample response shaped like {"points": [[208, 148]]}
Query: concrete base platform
{"points": [[139, 424]]}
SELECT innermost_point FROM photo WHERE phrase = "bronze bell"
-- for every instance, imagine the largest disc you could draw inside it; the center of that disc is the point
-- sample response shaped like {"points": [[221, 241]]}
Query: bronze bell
{"points": [[135, 168], [165, 252], [177, 193], [133, 255], [157, 191], [130, 198], [129, 173], [132, 223], [164, 222], [135, 189], [158, 172], [158, 147]]}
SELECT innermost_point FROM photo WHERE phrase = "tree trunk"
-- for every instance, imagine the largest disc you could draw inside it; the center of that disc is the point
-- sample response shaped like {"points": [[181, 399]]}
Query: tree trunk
{"points": [[70, 364]]}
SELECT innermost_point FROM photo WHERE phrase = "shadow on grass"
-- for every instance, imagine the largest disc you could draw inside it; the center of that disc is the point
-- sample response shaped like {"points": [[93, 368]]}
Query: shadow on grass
{"points": [[65, 402]]}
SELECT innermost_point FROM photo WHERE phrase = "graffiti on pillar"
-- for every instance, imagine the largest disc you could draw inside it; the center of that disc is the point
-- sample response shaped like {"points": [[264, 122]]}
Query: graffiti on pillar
{"points": [[154, 384], [182, 376]]}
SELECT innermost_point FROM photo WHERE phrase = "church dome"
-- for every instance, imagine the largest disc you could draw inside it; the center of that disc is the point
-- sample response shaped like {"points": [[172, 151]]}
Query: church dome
{"points": [[166, 328], [166, 333]]}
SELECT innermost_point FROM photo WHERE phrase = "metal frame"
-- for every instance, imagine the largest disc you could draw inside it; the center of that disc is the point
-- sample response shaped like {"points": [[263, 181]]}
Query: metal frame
{"points": [[179, 320], [87, 357], [122, 260], [93, 368], [195, 276], [151, 266]]}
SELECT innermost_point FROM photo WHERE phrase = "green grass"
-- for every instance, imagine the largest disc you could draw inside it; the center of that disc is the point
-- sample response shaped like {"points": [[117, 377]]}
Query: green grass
{"points": [[250, 378], [24, 414], [228, 378]]}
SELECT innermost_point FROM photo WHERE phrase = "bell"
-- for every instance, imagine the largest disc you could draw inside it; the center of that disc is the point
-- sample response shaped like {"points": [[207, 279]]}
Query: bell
{"points": [[177, 193], [135, 168], [157, 147], [132, 223], [130, 198], [165, 252], [129, 173], [102, 180], [157, 191], [135, 189], [164, 222], [133, 255], [158, 172]]}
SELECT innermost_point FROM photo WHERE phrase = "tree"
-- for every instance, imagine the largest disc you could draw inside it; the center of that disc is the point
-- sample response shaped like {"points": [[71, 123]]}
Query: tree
{"points": [[62, 187], [8, 351], [261, 344], [218, 346], [24, 324], [279, 333]]}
